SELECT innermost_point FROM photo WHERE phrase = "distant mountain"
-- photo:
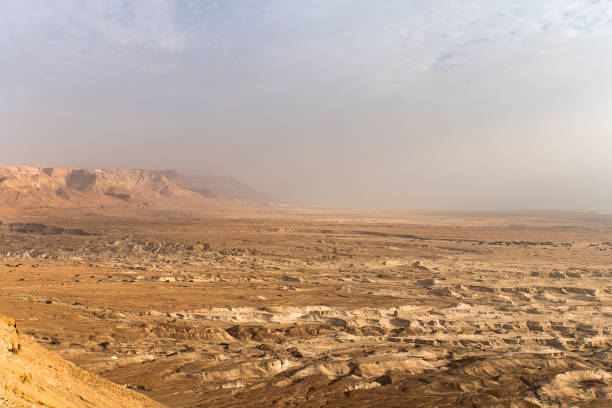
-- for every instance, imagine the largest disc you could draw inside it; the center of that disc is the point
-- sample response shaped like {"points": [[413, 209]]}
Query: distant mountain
{"points": [[215, 186], [64, 187]]}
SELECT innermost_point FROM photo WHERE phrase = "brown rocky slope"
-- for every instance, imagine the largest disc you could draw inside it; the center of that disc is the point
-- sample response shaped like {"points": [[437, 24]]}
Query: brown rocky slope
{"points": [[24, 187], [30, 376]]}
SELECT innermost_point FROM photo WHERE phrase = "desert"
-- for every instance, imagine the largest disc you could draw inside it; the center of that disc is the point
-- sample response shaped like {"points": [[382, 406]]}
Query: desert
{"points": [[305, 204], [316, 308]]}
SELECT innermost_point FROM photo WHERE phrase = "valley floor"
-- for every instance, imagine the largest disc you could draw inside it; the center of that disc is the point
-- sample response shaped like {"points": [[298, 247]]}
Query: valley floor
{"points": [[437, 311]]}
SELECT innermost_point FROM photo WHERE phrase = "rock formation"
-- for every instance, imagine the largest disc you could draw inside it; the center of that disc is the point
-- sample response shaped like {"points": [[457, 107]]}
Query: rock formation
{"points": [[30, 376], [26, 187]]}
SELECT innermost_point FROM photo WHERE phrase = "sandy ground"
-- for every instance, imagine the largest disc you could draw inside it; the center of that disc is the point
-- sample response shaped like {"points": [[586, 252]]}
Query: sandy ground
{"points": [[325, 309]]}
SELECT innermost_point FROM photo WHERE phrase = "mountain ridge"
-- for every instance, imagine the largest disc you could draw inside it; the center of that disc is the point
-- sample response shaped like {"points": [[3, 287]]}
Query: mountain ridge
{"points": [[24, 186]]}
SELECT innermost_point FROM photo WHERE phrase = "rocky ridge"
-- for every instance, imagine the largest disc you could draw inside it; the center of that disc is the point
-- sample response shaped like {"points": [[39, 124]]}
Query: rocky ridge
{"points": [[33, 377], [24, 187]]}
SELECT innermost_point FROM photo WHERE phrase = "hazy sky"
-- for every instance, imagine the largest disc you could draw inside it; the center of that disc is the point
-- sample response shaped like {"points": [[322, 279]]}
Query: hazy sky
{"points": [[421, 104]]}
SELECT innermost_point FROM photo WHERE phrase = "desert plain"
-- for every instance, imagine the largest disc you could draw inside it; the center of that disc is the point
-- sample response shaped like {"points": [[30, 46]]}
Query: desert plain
{"points": [[323, 307]]}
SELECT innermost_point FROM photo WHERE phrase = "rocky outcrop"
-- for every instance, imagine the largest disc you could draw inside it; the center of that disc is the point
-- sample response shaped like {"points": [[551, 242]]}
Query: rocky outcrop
{"points": [[79, 179], [31, 376], [58, 187]]}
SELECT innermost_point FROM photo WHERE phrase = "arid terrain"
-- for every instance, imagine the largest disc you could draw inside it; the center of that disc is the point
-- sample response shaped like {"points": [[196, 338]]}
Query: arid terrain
{"points": [[36, 189], [292, 312], [316, 307], [33, 377], [305, 204]]}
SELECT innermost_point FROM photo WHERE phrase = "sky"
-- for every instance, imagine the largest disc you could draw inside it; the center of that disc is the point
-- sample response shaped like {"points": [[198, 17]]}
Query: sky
{"points": [[433, 104]]}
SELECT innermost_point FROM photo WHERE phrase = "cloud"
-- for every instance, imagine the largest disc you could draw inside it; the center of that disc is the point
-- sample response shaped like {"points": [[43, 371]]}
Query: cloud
{"points": [[151, 24], [68, 38], [423, 36], [398, 91]]}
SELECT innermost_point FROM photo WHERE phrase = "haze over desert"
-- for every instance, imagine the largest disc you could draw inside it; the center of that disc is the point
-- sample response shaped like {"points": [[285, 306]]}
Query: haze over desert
{"points": [[306, 308], [327, 203]]}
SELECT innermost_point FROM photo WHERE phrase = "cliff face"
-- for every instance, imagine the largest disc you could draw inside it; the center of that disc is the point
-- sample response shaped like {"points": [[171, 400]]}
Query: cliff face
{"points": [[31, 376], [61, 187]]}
